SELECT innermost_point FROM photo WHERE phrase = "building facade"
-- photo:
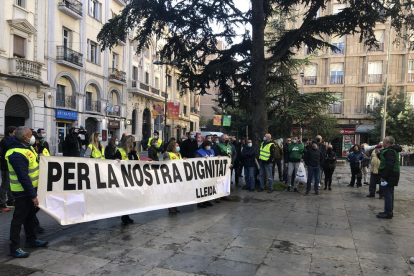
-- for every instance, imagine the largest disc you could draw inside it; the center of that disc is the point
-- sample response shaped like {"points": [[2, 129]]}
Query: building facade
{"points": [[356, 74], [54, 75]]}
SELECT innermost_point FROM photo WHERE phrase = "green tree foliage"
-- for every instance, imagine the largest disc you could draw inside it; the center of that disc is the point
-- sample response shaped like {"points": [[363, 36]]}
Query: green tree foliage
{"points": [[245, 69], [400, 117]]}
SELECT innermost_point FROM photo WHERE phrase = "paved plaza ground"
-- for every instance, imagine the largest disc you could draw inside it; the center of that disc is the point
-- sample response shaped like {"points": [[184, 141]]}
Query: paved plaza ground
{"points": [[335, 233]]}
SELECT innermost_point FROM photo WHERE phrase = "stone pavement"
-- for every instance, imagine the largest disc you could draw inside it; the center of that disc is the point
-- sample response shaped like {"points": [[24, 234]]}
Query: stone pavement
{"points": [[335, 233]]}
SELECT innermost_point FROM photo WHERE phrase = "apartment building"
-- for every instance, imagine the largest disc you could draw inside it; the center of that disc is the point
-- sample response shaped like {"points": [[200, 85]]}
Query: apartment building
{"points": [[356, 73], [54, 75]]}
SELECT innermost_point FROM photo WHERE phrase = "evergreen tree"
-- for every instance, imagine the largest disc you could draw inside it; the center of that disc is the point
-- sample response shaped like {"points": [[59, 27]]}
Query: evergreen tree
{"points": [[243, 69]]}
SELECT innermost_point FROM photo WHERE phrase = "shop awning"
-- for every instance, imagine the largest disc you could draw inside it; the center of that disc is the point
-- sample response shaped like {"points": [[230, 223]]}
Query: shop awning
{"points": [[364, 128]]}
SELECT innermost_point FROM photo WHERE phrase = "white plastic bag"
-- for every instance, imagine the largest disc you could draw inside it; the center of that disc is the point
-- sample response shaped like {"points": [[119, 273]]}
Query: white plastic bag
{"points": [[301, 174]]}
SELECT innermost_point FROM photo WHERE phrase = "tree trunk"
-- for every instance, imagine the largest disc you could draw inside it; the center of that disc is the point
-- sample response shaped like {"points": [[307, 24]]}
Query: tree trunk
{"points": [[259, 73]]}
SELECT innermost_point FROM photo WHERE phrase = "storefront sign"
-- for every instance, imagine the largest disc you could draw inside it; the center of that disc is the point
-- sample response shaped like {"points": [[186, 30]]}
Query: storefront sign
{"points": [[66, 114], [173, 110], [348, 142], [345, 131], [113, 124]]}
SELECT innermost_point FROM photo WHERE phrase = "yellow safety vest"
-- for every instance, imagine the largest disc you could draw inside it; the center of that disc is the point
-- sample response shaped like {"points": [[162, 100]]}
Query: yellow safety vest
{"points": [[15, 185], [45, 152], [265, 152], [96, 153], [123, 154], [159, 142], [174, 156]]}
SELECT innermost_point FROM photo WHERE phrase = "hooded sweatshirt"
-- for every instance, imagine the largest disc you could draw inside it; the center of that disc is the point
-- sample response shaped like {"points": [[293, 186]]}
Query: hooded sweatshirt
{"points": [[20, 165]]}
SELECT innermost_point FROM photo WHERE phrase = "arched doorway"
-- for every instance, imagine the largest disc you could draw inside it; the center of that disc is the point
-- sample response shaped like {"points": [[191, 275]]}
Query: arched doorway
{"points": [[146, 124], [91, 125], [16, 112]]}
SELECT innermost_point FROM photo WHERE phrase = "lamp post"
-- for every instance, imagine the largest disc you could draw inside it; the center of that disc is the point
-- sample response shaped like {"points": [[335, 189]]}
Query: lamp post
{"points": [[157, 62], [384, 116], [302, 75]]}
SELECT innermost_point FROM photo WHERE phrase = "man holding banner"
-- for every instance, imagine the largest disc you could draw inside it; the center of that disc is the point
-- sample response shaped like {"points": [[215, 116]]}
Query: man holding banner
{"points": [[23, 166]]}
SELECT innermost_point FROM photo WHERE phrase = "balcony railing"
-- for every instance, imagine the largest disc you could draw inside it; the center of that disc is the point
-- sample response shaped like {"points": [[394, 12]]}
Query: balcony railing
{"points": [[380, 48], [71, 7], [66, 54], [164, 95], [310, 80], [93, 106], [144, 86], [25, 68], [134, 84], [374, 78], [335, 109], [115, 74], [70, 102], [410, 77], [337, 79], [155, 91]]}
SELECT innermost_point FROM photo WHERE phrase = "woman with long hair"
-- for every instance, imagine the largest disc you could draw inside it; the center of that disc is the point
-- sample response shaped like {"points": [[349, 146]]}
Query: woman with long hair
{"points": [[112, 147], [173, 153], [127, 152], [95, 148], [152, 150]]}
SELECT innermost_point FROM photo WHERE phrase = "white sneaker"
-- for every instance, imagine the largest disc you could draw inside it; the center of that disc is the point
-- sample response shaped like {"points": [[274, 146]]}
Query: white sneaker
{"points": [[319, 184]]}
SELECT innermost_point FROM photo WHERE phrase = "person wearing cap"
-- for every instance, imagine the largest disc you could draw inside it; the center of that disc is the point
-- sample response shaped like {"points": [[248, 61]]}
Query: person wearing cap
{"points": [[314, 160], [41, 132], [156, 137]]}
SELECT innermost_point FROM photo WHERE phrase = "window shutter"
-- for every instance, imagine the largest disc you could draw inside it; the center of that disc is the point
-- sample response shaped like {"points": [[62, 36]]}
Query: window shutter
{"points": [[374, 68], [311, 70], [337, 67], [18, 46]]}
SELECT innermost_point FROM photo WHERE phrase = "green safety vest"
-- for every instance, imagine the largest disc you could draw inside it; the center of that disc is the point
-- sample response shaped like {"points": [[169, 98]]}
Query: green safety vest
{"points": [[265, 151], [383, 164], [96, 153], [225, 150], [32, 157]]}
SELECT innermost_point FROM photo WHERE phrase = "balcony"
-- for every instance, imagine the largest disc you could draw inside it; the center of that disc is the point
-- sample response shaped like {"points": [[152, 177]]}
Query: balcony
{"points": [[155, 91], [337, 79], [144, 86], [380, 48], [68, 102], [24, 68], [134, 84], [113, 110], [310, 80], [72, 8], [374, 78], [69, 58], [164, 95], [121, 2], [116, 75], [335, 109], [93, 106], [410, 77]]}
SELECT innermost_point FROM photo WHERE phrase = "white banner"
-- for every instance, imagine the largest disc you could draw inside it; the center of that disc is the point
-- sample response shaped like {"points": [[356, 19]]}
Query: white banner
{"points": [[74, 190]]}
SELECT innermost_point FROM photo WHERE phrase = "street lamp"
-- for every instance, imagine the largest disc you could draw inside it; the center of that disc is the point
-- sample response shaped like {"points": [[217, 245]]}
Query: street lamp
{"points": [[160, 63], [302, 75]]}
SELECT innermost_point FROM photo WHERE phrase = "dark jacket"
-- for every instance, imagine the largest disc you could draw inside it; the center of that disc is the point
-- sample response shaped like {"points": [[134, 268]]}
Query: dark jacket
{"points": [[286, 152], [278, 152], [367, 158], [329, 159], [238, 161], [233, 154], [20, 165], [4, 148], [71, 145], [248, 156], [322, 148], [153, 153], [354, 157], [188, 148], [313, 158], [388, 173], [109, 152]]}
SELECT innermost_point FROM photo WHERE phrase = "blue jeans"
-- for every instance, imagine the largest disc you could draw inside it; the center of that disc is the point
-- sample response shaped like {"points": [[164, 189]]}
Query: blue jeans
{"points": [[313, 173], [249, 177], [265, 167]]}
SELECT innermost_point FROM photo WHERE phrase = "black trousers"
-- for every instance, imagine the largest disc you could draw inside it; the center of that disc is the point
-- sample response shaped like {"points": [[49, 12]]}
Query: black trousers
{"points": [[24, 213], [356, 173], [278, 163], [375, 180], [328, 176], [389, 199]]}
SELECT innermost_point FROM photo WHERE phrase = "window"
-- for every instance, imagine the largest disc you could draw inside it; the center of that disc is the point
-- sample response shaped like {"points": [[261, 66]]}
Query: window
{"points": [[169, 80], [88, 106], [60, 96], [114, 61], [336, 107], [379, 36], [95, 9], [178, 85], [372, 101], [18, 46], [375, 72], [21, 3], [410, 77], [93, 52], [146, 77], [310, 74], [134, 73], [66, 38], [157, 82], [410, 99], [185, 110], [337, 8], [337, 73]]}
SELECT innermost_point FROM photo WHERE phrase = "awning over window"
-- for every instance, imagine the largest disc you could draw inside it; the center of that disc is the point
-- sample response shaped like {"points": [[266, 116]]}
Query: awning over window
{"points": [[364, 128]]}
